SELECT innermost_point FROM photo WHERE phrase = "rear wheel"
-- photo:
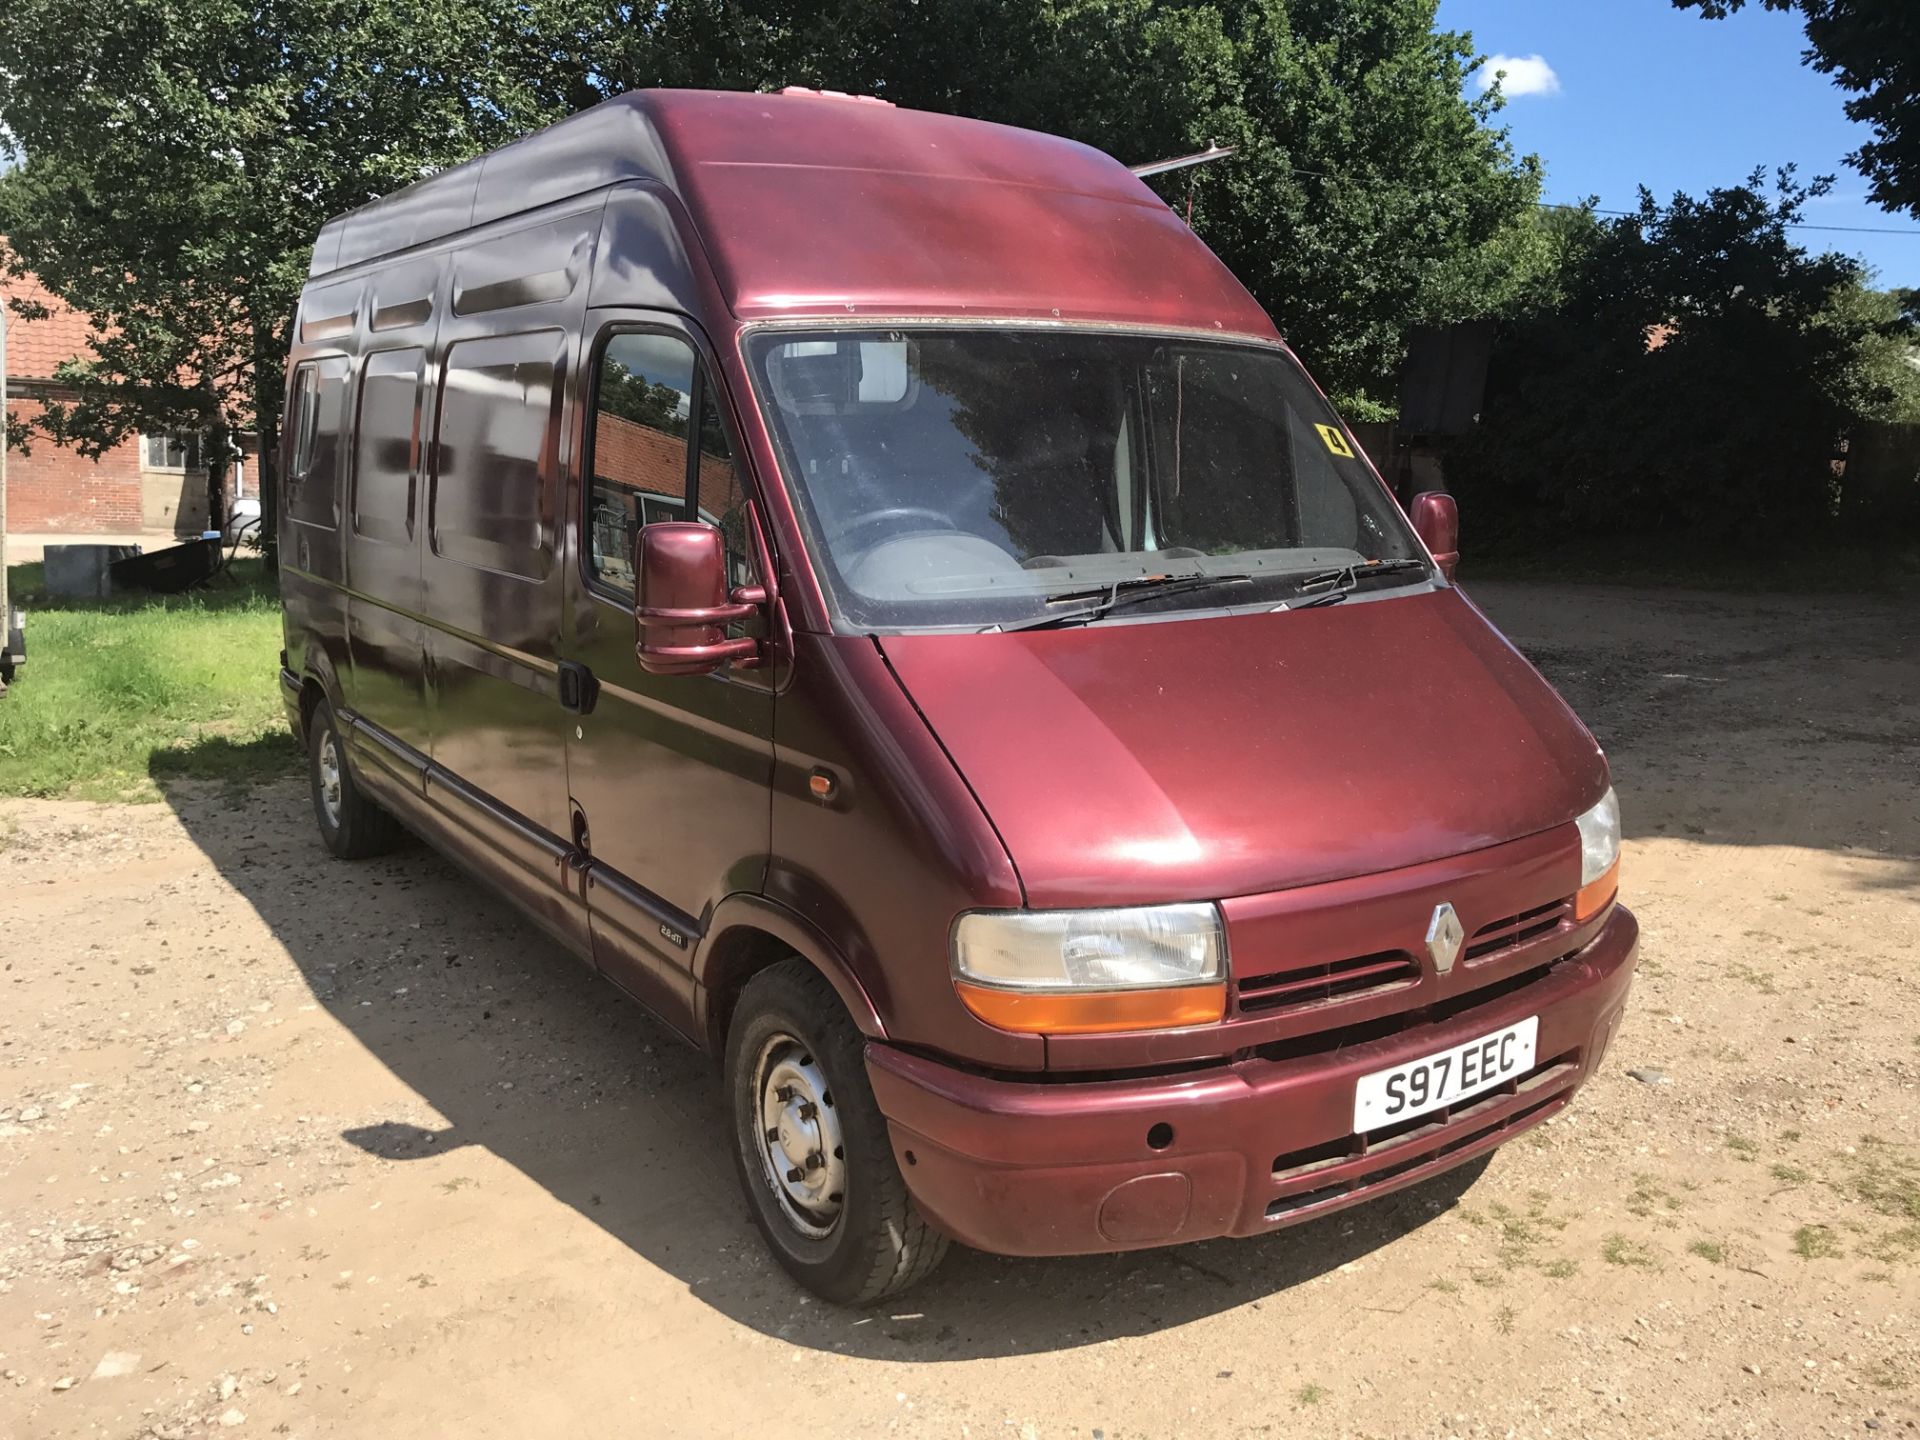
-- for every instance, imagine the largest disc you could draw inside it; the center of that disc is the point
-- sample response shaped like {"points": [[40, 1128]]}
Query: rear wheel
{"points": [[352, 826], [812, 1148]]}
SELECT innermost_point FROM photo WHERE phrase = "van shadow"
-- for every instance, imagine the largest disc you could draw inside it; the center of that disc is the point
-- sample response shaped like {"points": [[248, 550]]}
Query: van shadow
{"points": [[527, 1055]]}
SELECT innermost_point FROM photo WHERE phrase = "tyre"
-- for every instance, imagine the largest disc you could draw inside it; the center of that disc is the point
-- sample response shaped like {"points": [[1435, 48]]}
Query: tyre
{"points": [[351, 825], [811, 1146]]}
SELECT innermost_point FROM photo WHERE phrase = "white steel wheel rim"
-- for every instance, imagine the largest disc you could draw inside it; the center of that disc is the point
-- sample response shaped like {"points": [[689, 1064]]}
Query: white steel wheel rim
{"points": [[800, 1142], [329, 765]]}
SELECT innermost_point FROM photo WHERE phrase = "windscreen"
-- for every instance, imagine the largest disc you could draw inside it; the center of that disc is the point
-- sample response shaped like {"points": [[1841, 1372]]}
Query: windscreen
{"points": [[978, 477]]}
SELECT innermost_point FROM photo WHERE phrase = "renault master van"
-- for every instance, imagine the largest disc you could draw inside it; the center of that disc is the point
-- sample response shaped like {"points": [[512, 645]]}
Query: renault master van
{"points": [[879, 591]]}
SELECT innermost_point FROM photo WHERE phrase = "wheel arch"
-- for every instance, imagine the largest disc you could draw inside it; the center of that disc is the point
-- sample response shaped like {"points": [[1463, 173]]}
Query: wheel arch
{"points": [[748, 934], [317, 683]]}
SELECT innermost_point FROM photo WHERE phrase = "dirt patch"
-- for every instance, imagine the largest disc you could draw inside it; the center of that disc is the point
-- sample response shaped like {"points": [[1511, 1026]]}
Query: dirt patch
{"points": [[294, 1147]]}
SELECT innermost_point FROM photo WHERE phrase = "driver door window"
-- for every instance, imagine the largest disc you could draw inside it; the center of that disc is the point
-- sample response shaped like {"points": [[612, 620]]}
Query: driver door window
{"points": [[643, 408], [650, 397]]}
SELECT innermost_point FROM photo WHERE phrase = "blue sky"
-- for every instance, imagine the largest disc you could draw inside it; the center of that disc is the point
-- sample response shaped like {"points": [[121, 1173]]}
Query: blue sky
{"points": [[1642, 93]]}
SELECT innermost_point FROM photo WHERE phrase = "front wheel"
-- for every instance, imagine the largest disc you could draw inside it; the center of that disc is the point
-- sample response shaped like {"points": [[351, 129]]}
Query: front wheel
{"points": [[811, 1146], [352, 826]]}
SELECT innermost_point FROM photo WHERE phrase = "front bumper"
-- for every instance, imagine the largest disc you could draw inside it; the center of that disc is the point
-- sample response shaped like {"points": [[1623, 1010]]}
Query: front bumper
{"points": [[1025, 1168]]}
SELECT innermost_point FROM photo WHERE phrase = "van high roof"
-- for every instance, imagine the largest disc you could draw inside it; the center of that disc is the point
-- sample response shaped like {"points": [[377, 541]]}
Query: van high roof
{"points": [[810, 203]]}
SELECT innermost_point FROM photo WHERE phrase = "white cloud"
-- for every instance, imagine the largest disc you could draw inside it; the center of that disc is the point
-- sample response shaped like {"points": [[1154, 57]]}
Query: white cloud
{"points": [[1523, 75]]}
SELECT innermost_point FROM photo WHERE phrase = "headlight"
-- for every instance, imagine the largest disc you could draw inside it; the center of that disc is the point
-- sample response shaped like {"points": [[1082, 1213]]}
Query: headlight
{"points": [[1067, 972], [1599, 857]]}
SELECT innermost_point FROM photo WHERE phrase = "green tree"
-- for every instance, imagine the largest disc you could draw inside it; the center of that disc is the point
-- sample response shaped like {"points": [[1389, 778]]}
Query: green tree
{"points": [[1872, 50], [1692, 371], [1369, 194], [180, 154]]}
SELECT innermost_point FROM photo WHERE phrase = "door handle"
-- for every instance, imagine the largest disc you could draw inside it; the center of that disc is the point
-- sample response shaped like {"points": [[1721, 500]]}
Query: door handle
{"points": [[578, 687]]}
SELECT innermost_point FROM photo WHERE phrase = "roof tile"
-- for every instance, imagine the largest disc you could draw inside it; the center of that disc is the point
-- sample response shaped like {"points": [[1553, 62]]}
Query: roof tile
{"points": [[35, 348]]}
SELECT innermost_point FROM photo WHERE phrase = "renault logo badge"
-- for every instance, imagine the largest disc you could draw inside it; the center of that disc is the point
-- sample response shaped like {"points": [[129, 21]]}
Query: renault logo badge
{"points": [[1444, 937]]}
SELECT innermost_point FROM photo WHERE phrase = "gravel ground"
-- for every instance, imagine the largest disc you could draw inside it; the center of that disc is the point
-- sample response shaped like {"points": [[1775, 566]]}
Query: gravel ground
{"points": [[293, 1147]]}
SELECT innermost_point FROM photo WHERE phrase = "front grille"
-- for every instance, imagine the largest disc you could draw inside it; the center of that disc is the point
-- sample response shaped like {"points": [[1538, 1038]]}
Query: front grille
{"points": [[1341, 1037], [1336, 980], [1477, 1120], [1515, 930]]}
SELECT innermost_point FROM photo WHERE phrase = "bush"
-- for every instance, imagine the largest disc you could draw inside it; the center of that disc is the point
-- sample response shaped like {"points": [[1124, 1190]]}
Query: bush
{"points": [[1690, 372]]}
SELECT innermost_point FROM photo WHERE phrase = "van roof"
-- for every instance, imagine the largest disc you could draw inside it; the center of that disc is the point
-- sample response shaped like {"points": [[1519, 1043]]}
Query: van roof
{"points": [[816, 204]]}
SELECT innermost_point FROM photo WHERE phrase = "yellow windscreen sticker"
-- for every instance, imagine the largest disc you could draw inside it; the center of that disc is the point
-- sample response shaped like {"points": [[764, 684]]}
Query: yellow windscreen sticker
{"points": [[1336, 442]]}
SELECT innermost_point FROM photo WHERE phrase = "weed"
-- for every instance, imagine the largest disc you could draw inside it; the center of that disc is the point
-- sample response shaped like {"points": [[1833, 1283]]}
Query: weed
{"points": [[1896, 1247], [1617, 1249], [1816, 1242], [1886, 1375], [1560, 1269], [1761, 980], [1789, 1136], [1743, 1147], [1445, 1287], [1886, 1178], [1790, 1174], [1504, 1319], [1649, 1196], [1709, 1251], [1310, 1394]]}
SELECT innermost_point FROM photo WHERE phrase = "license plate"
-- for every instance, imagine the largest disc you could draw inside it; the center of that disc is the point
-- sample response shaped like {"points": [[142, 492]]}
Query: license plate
{"points": [[1435, 1081]]}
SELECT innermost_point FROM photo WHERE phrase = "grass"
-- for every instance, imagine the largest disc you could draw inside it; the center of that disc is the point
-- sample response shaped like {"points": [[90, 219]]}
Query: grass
{"points": [[1885, 1177], [1896, 1247], [120, 696], [1741, 1146], [1617, 1249], [1887, 1375], [1710, 1251], [1816, 1242], [1649, 1196]]}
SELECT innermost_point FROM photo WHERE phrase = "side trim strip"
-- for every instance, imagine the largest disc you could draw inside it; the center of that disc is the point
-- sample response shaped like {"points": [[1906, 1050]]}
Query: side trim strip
{"points": [[650, 910], [378, 748]]}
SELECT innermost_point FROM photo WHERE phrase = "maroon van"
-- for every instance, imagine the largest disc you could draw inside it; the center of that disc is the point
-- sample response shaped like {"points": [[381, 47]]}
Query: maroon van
{"points": [[876, 588]]}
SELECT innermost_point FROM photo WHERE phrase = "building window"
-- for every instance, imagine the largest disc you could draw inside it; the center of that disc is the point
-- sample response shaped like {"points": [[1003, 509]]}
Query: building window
{"points": [[176, 450]]}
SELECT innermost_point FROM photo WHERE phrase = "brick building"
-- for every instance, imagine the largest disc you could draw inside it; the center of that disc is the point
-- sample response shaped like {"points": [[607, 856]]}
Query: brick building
{"points": [[148, 486]]}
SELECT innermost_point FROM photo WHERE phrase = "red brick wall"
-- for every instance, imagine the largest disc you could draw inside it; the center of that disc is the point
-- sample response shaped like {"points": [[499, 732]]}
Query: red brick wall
{"points": [[56, 489], [651, 460]]}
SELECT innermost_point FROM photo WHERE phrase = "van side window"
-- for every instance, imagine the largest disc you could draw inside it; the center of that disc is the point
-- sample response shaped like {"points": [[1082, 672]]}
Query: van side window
{"points": [[386, 454], [318, 418], [643, 403], [496, 439]]}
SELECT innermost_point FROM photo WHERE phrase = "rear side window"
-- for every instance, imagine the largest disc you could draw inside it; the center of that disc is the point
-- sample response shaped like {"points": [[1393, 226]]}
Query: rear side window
{"points": [[386, 456], [651, 396], [316, 422], [496, 438]]}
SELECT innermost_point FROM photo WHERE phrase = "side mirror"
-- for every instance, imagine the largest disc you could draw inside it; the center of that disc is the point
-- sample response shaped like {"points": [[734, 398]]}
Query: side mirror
{"points": [[1436, 519], [682, 604]]}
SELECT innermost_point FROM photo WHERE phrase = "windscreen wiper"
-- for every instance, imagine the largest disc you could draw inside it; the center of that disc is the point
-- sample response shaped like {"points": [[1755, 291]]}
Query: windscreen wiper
{"points": [[1118, 595], [1330, 587]]}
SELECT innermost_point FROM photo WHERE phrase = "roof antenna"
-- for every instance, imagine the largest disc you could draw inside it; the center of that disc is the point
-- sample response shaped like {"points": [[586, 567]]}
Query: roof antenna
{"points": [[1214, 151]]}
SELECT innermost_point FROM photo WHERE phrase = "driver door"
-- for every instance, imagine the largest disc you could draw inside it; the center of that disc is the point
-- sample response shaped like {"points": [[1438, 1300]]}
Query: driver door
{"points": [[668, 776]]}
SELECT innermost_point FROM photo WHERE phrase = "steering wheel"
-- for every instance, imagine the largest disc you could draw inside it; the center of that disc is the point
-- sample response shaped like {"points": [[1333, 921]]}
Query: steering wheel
{"points": [[896, 513]]}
